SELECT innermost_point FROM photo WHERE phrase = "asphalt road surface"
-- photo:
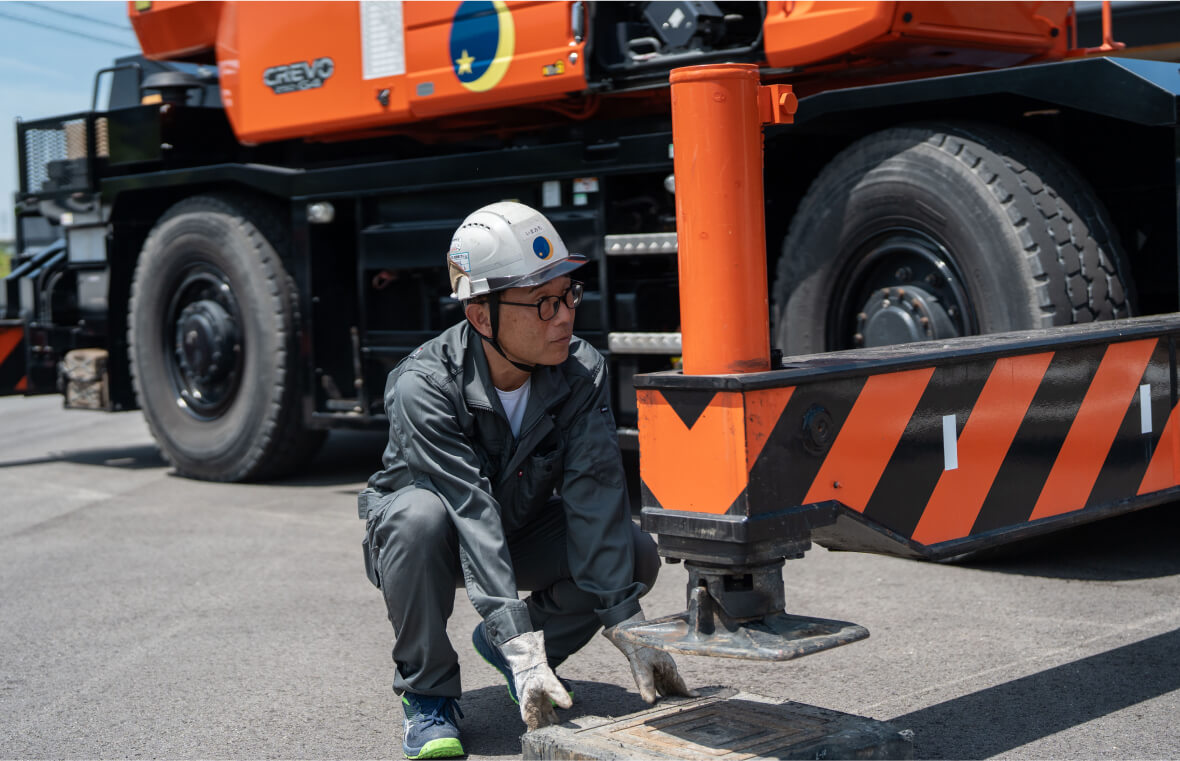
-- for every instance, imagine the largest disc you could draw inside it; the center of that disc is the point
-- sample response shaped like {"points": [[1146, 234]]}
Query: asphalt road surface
{"points": [[147, 615]]}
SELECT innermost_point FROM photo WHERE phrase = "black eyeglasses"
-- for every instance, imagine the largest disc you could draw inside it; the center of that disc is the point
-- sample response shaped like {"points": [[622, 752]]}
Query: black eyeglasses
{"points": [[547, 306]]}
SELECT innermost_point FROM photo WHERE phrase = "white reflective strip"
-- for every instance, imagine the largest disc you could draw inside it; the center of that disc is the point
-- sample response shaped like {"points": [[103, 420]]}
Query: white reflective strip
{"points": [[1145, 408], [950, 443], [383, 43]]}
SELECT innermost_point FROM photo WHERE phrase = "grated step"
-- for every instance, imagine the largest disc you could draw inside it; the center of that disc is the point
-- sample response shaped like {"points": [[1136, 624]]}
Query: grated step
{"points": [[644, 343], [645, 243]]}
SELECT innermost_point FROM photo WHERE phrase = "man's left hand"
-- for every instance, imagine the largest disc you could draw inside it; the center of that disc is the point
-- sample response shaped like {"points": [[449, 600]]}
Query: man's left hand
{"points": [[654, 670]]}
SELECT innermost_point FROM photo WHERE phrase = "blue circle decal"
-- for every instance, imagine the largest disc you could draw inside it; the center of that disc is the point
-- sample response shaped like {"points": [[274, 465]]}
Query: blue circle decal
{"points": [[542, 247], [483, 40]]}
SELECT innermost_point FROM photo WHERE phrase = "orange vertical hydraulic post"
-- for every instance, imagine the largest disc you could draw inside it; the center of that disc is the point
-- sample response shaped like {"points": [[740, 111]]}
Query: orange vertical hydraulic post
{"points": [[717, 117]]}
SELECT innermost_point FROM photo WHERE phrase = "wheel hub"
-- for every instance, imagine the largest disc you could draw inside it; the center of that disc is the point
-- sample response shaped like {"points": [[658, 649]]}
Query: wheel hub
{"points": [[900, 285], [902, 315], [206, 342]]}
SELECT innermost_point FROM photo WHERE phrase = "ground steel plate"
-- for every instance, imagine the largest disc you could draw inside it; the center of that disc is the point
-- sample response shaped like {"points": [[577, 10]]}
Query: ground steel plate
{"points": [[724, 726]]}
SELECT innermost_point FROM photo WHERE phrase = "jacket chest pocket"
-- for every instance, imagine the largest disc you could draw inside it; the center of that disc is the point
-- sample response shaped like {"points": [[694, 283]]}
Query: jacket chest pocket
{"points": [[541, 475], [534, 481]]}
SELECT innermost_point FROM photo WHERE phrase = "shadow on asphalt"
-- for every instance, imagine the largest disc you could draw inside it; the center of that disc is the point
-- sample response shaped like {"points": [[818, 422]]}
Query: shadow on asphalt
{"points": [[128, 458], [345, 458], [1007, 716], [1138, 545]]}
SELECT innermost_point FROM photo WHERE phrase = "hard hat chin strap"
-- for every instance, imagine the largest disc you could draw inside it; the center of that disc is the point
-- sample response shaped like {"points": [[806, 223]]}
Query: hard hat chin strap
{"points": [[494, 316]]}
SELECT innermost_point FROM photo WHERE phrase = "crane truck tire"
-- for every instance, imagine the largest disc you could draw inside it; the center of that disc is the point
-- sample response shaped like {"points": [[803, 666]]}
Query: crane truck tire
{"points": [[932, 231], [212, 335]]}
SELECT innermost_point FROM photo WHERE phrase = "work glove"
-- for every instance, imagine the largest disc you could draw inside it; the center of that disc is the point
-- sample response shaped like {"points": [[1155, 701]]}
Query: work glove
{"points": [[536, 684], [654, 670]]}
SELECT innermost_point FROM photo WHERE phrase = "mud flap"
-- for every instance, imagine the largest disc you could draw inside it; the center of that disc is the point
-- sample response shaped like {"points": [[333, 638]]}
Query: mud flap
{"points": [[13, 362]]}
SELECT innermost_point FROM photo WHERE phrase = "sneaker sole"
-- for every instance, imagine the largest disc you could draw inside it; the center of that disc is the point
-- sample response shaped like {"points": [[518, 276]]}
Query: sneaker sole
{"points": [[447, 747]]}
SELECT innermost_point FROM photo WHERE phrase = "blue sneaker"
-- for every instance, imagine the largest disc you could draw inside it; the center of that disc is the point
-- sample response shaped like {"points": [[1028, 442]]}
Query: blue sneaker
{"points": [[491, 654], [431, 729]]}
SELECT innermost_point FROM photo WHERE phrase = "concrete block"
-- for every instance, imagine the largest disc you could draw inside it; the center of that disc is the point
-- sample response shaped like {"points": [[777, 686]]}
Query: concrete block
{"points": [[86, 379], [726, 725]]}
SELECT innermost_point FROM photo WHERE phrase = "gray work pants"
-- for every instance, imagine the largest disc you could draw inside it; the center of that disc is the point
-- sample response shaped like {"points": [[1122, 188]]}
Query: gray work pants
{"points": [[417, 560]]}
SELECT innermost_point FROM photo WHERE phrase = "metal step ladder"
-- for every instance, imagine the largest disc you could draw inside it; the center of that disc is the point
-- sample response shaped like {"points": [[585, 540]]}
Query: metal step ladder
{"points": [[667, 344]]}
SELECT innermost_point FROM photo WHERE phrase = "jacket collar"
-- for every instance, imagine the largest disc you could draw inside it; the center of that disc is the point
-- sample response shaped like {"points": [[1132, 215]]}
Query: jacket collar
{"points": [[477, 376], [549, 389]]}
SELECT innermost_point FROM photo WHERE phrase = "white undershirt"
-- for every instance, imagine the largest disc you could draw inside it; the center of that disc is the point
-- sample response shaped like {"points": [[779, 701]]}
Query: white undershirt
{"points": [[514, 403]]}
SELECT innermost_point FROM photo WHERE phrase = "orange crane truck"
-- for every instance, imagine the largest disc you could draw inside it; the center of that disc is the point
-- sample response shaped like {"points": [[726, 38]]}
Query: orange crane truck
{"points": [[249, 235]]}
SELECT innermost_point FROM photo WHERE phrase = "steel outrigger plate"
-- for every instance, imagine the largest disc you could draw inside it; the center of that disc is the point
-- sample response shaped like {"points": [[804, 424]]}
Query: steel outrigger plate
{"points": [[738, 611], [703, 630]]}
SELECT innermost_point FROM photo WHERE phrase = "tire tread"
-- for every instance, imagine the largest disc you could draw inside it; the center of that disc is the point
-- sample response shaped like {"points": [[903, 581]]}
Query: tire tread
{"points": [[282, 442], [1078, 237], [1071, 254]]}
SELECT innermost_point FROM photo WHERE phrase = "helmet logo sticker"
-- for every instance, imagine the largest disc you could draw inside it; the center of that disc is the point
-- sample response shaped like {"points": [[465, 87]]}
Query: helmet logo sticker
{"points": [[462, 260], [483, 41], [542, 247]]}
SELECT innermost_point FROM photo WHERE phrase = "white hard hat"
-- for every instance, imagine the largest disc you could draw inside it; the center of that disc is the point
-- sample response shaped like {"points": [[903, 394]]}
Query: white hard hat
{"points": [[506, 245]]}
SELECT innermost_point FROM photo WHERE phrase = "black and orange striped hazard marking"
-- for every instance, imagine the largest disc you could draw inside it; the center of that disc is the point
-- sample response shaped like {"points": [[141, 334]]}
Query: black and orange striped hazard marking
{"points": [[12, 359], [967, 445]]}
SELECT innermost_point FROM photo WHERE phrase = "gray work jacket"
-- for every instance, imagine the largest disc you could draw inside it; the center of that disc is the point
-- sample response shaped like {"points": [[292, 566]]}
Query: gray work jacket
{"points": [[448, 433]]}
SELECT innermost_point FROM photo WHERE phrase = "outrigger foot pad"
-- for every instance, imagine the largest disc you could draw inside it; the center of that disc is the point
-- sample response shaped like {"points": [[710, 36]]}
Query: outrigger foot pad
{"points": [[774, 637]]}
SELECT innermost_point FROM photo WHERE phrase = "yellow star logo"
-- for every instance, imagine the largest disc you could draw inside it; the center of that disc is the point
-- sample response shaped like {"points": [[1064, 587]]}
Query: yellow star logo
{"points": [[465, 62]]}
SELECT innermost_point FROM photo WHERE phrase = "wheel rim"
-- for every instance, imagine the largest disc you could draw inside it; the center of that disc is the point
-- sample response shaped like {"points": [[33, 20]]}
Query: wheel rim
{"points": [[203, 342], [900, 286]]}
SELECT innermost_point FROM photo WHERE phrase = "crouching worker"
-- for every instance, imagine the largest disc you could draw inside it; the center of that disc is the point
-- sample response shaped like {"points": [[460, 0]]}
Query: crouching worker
{"points": [[503, 473]]}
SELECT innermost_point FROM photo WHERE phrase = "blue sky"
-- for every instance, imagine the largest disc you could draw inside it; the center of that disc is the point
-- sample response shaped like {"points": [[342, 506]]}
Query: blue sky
{"points": [[48, 62]]}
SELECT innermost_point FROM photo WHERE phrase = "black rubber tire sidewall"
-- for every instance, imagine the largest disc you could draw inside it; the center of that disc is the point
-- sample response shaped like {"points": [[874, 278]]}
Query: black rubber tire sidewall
{"points": [[237, 444], [943, 181]]}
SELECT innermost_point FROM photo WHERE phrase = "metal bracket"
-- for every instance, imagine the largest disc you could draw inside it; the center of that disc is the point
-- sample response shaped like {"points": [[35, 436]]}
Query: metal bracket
{"points": [[777, 104]]}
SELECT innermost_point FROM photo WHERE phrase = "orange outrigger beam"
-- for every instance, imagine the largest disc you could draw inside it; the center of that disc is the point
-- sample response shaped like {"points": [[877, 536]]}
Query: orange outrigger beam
{"points": [[927, 450]]}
